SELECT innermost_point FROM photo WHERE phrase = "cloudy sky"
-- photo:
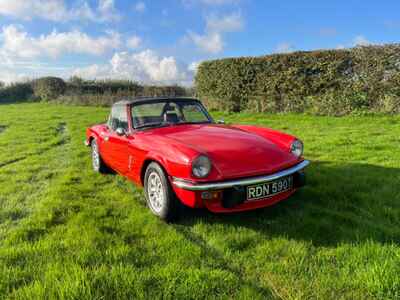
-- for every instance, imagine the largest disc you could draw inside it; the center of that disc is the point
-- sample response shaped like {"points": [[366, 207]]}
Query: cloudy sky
{"points": [[162, 41]]}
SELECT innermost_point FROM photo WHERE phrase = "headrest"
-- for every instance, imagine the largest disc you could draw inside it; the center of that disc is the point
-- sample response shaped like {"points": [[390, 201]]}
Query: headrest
{"points": [[171, 118], [168, 107]]}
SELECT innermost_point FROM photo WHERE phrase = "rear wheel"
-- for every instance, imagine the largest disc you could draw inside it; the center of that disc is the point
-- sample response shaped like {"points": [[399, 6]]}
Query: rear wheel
{"points": [[159, 194], [97, 162]]}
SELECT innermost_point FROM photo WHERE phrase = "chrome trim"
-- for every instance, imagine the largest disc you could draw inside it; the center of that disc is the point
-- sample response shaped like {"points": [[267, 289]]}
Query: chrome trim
{"points": [[187, 185]]}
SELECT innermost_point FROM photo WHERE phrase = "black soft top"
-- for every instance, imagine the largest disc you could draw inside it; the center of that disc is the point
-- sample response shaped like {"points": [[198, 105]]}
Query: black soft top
{"points": [[142, 100]]}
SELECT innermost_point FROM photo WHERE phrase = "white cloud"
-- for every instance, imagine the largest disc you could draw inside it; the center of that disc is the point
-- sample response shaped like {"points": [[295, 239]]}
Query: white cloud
{"points": [[81, 12], [284, 48], [357, 41], [19, 44], [133, 42], [194, 66], [228, 23], [146, 67], [57, 11], [93, 72], [8, 76], [212, 40], [360, 40], [108, 11], [140, 6], [23, 70], [27, 9]]}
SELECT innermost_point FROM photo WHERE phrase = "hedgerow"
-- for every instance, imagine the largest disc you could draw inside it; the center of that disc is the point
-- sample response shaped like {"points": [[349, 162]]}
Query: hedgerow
{"points": [[49, 88], [106, 92], [16, 92], [331, 82], [84, 92]]}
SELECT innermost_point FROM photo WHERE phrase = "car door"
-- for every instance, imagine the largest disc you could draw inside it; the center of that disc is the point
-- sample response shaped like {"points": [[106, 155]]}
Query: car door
{"points": [[115, 147]]}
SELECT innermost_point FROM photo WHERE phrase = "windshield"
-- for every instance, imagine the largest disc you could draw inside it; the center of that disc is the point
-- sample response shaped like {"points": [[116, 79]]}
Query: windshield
{"points": [[167, 112]]}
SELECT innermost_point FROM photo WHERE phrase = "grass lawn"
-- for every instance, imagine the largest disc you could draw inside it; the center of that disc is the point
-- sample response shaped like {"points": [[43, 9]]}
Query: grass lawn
{"points": [[66, 232]]}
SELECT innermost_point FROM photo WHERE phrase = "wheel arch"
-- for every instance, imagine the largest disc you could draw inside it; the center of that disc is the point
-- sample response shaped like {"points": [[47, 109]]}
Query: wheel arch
{"points": [[90, 140], [92, 136], [146, 163]]}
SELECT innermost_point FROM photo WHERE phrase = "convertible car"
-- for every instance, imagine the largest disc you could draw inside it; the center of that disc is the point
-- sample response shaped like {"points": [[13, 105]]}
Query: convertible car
{"points": [[174, 148]]}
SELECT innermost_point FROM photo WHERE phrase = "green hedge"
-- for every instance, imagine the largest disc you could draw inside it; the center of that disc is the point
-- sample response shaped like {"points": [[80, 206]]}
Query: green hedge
{"points": [[84, 92], [16, 92], [332, 82], [49, 88]]}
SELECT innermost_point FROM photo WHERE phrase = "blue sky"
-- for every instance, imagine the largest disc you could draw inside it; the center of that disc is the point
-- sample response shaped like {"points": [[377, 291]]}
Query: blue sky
{"points": [[162, 42]]}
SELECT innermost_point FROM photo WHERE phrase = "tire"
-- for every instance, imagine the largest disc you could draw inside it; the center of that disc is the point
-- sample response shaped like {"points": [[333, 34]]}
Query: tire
{"points": [[97, 162], [160, 197]]}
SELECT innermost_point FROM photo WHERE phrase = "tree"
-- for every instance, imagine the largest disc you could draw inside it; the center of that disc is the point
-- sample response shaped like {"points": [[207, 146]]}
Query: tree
{"points": [[49, 88], [76, 80]]}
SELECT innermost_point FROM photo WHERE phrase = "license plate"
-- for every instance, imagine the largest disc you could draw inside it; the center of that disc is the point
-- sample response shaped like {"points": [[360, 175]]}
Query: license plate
{"points": [[269, 189]]}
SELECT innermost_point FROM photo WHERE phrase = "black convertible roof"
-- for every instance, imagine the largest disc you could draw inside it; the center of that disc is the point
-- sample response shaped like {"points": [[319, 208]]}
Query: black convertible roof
{"points": [[152, 99]]}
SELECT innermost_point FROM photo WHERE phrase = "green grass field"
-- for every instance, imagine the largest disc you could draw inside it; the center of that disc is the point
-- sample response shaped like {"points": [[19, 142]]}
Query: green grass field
{"points": [[66, 232]]}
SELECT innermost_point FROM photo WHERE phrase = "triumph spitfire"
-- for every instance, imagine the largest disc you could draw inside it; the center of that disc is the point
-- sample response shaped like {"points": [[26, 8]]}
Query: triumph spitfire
{"points": [[180, 155]]}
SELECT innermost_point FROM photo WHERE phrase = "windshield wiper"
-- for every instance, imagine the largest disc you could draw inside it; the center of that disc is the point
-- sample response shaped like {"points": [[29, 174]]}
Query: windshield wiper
{"points": [[189, 123], [149, 125], [162, 124]]}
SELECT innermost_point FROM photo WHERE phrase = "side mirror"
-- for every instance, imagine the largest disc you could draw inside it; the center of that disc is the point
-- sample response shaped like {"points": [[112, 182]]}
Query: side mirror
{"points": [[221, 122], [120, 131]]}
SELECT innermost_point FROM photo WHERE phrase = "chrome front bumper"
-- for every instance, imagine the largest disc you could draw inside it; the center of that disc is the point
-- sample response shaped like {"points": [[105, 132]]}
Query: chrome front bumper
{"points": [[188, 185]]}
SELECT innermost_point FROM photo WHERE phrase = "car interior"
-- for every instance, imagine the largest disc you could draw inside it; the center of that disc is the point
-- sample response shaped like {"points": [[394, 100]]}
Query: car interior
{"points": [[169, 114]]}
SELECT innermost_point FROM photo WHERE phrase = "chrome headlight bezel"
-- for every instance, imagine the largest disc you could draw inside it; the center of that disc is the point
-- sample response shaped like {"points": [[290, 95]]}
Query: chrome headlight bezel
{"points": [[297, 148], [201, 166]]}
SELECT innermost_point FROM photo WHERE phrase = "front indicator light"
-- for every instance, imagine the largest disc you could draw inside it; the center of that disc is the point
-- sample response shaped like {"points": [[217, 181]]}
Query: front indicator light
{"points": [[211, 195]]}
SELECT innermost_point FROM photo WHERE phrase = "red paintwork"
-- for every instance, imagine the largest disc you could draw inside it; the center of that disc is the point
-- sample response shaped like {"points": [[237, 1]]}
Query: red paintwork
{"points": [[236, 151]]}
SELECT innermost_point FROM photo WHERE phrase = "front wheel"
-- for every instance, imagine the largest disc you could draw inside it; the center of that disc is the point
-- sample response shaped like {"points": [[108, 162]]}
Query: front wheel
{"points": [[159, 194]]}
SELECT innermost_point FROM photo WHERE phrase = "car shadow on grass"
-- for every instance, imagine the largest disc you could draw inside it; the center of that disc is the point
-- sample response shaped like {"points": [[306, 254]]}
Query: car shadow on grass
{"points": [[3, 128], [342, 203]]}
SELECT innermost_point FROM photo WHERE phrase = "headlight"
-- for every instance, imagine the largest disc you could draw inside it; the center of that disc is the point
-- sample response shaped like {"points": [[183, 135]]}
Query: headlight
{"points": [[297, 148], [201, 166]]}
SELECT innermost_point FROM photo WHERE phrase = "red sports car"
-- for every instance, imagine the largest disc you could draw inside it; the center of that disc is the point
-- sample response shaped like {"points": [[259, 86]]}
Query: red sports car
{"points": [[173, 148]]}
